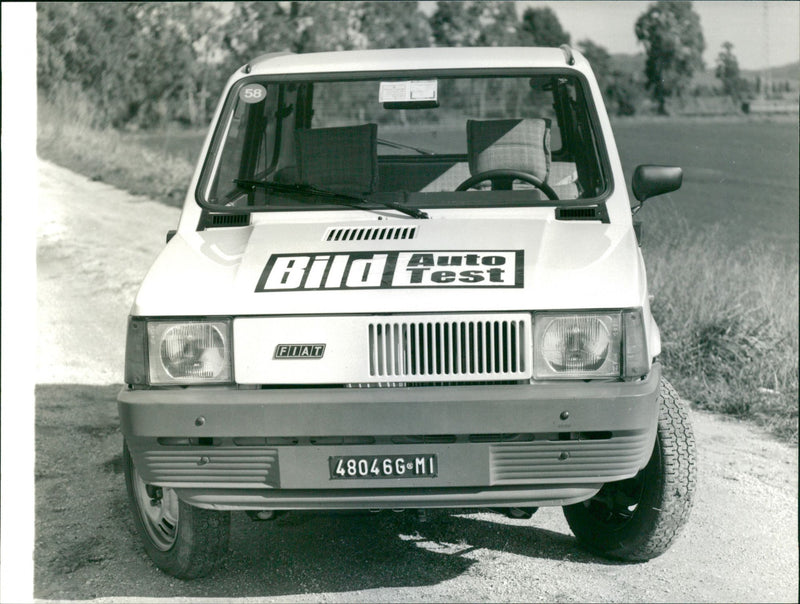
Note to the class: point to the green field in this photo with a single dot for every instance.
(740, 177)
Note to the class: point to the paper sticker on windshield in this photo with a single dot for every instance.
(253, 93)
(393, 269)
(403, 92)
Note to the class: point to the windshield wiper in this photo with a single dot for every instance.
(343, 199)
(395, 145)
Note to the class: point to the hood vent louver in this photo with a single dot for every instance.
(585, 213)
(210, 221)
(230, 219)
(370, 233)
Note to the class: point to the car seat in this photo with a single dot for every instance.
(344, 159)
(519, 145)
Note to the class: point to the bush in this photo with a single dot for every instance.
(625, 93)
(728, 319)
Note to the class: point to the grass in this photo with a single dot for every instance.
(67, 137)
(727, 305)
(728, 319)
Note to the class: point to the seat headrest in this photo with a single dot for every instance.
(344, 159)
(511, 144)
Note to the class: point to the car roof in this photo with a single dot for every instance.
(413, 59)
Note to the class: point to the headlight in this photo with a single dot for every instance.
(178, 352)
(589, 345)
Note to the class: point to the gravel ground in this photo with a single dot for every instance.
(95, 244)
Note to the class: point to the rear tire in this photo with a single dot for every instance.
(183, 541)
(639, 518)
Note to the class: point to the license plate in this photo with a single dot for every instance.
(421, 465)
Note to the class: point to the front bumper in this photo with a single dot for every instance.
(496, 445)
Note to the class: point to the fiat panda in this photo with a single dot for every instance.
(405, 279)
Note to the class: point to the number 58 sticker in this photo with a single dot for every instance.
(253, 93)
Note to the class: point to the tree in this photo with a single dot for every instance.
(621, 92)
(474, 23)
(64, 53)
(541, 27)
(256, 28)
(136, 64)
(141, 64)
(397, 24)
(321, 26)
(81, 47)
(727, 72)
(673, 39)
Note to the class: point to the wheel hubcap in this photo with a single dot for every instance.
(616, 502)
(159, 514)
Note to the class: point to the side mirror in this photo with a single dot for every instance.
(649, 181)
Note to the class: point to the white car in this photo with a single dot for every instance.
(405, 279)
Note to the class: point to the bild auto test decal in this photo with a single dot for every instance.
(381, 270)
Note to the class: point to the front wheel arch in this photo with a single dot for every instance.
(639, 518)
(191, 543)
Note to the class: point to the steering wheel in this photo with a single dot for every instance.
(508, 174)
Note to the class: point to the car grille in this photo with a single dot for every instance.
(491, 349)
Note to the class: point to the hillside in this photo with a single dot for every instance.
(634, 64)
(790, 72)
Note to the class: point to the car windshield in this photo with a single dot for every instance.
(424, 142)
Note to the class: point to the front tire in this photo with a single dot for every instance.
(638, 519)
(183, 541)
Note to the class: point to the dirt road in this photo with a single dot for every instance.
(95, 245)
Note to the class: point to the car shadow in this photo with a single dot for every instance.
(87, 547)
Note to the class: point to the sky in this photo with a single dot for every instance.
(742, 23)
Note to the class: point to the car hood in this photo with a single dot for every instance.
(404, 266)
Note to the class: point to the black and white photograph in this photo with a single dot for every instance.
(398, 301)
